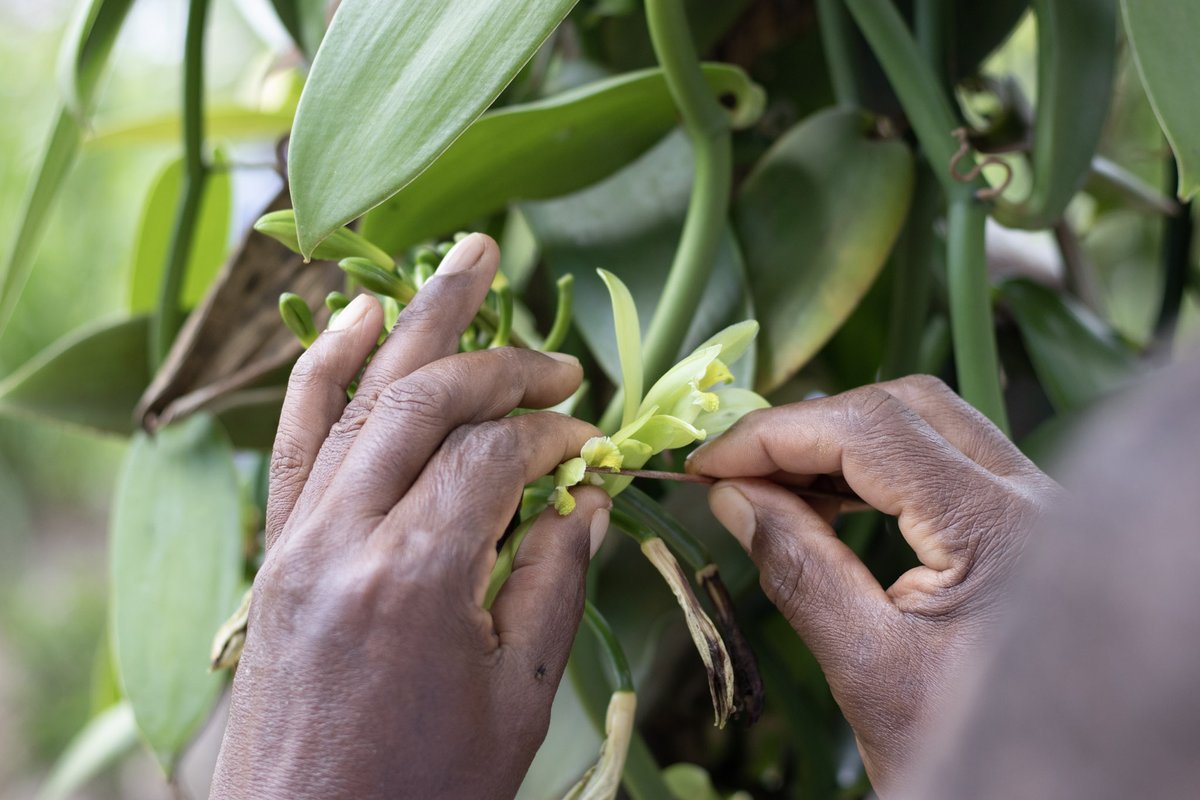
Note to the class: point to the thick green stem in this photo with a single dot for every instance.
(917, 85)
(837, 40)
(933, 120)
(1176, 262)
(707, 127)
(929, 24)
(971, 326)
(168, 316)
(618, 664)
(911, 274)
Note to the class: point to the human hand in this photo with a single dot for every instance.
(370, 667)
(965, 498)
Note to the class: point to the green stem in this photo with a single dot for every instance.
(911, 276)
(975, 358)
(168, 316)
(915, 83)
(932, 119)
(562, 314)
(642, 778)
(636, 505)
(837, 40)
(1176, 262)
(707, 127)
(618, 665)
(929, 24)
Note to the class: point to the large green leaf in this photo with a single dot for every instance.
(544, 149)
(816, 220)
(629, 224)
(1077, 358)
(92, 378)
(104, 740)
(1077, 54)
(394, 84)
(1163, 38)
(176, 566)
(209, 245)
(86, 52)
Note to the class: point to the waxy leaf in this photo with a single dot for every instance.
(99, 744)
(1163, 38)
(816, 219)
(394, 84)
(96, 28)
(1077, 358)
(544, 149)
(209, 245)
(176, 566)
(92, 378)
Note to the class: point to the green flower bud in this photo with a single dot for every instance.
(336, 301)
(377, 279)
(342, 243)
(298, 318)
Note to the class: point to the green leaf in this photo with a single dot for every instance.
(304, 20)
(209, 245)
(1163, 38)
(394, 84)
(89, 39)
(544, 149)
(1077, 358)
(101, 743)
(95, 27)
(92, 378)
(689, 782)
(176, 567)
(817, 218)
(630, 224)
(1077, 54)
(629, 343)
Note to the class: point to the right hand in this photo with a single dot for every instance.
(965, 498)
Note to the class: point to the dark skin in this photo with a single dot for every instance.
(371, 668)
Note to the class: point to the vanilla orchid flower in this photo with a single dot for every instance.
(690, 402)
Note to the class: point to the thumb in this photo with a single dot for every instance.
(822, 588)
(537, 612)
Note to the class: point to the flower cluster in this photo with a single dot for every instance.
(692, 401)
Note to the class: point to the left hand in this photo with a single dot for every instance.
(370, 667)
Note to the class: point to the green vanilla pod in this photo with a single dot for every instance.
(342, 243)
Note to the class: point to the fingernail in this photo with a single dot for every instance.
(689, 463)
(352, 314)
(565, 358)
(463, 255)
(599, 528)
(734, 511)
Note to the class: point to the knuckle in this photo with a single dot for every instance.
(423, 394)
(930, 385)
(871, 410)
(308, 373)
(351, 421)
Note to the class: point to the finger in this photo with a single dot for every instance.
(414, 414)
(887, 454)
(537, 612)
(427, 329)
(826, 593)
(960, 423)
(469, 490)
(315, 400)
